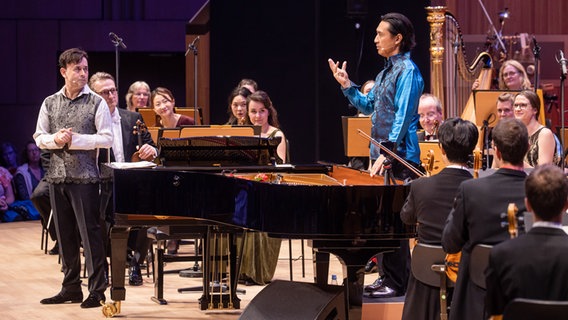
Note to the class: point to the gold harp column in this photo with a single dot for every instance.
(436, 18)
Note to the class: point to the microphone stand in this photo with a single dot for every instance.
(117, 43)
(193, 48)
(562, 109)
(536, 53)
(486, 142)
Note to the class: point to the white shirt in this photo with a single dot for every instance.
(117, 147)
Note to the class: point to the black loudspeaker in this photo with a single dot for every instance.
(297, 300)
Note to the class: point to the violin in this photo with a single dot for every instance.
(512, 220)
(429, 163)
(477, 163)
(137, 130)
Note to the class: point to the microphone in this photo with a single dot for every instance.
(562, 62)
(192, 46)
(116, 40)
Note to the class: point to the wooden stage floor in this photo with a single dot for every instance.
(29, 275)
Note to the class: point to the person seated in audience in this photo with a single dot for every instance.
(138, 96)
(124, 147)
(430, 112)
(533, 265)
(6, 192)
(262, 113)
(41, 200)
(163, 102)
(249, 84)
(428, 204)
(512, 76)
(9, 158)
(30, 173)
(237, 109)
(543, 148)
(476, 215)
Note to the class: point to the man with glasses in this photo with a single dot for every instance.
(124, 146)
(430, 112)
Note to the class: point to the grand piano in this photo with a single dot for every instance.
(344, 211)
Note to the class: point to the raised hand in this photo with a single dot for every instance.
(340, 73)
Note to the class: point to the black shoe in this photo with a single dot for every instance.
(384, 292)
(371, 265)
(64, 298)
(55, 250)
(375, 285)
(93, 300)
(134, 274)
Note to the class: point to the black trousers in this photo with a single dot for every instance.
(396, 266)
(76, 215)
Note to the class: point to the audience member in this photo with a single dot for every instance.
(430, 112)
(534, 265)
(476, 216)
(9, 157)
(543, 148)
(73, 123)
(6, 193)
(30, 173)
(138, 96)
(262, 113)
(163, 103)
(124, 146)
(41, 200)
(249, 84)
(237, 109)
(428, 204)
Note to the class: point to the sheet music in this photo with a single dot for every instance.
(133, 165)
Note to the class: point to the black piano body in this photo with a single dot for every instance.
(344, 211)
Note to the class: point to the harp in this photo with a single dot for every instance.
(452, 75)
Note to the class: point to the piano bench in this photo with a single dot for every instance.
(161, 235)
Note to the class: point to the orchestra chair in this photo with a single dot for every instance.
(190, 112)
(149, 117)
(45, 232)
(528, 309)
(478, 263)
(429, 267)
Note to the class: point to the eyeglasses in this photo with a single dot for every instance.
(521, 105)
(510, 74)
(108, 92)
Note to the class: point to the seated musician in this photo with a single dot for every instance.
(430, 112)
(262, 113)
(124, 146)
(163, 103)
(505, 103)
(429, 203)
(543, 143)
(260, 252)
(237, 109)
(512, 76)
(476, 216)
(534, 265)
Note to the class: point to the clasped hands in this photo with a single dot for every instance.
(63, 136)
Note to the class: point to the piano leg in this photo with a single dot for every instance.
(119, 239)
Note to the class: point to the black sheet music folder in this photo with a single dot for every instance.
(219, 151)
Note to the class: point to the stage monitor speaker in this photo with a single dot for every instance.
(297, 300)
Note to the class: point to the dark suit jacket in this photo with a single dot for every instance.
(476, 218)
(428, 204)
(532, 266)
(129, 139)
